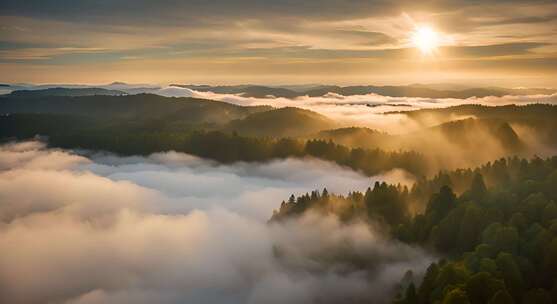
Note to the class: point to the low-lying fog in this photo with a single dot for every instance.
(173, 228)
(356, 110)
(362, 110)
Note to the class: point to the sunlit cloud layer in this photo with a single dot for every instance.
(278, 41)
(173, 228)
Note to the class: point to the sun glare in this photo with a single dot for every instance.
(425, 39)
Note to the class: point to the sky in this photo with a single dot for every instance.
(493, 42)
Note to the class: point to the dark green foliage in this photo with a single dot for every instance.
(149, 136)
(503, 235)
(346, 208)
(410, 296)
(501, 297)
(499, 233)
(478, 189)
(456, 296)
(482, 286)
(537, 296)
(365, 160)
(139, 107)
(428, 284)
(288, 122)
(385, 203)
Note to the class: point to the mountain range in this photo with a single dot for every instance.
(293, 91)
(422, 91)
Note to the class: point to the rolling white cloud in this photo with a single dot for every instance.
(173, 228)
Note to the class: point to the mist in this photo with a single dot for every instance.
(363, 110)
(443, 150)
(93, 227)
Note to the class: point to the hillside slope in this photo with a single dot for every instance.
(136, 107)
(356, 137)
(284, 122)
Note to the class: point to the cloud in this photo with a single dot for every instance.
(33, 155)
(496, 50)
(355, 42)
(167, 11)
(171, 91)
(173, 228)
(45, 53)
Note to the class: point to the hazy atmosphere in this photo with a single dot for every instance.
(307, 152)
(208, 222)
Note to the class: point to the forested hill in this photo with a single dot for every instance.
(144, 124)
(536, 121)
(449, 145)
(140, 107)
(285, 122)
(497, 234)
(158, 111)
(132, 138)
(65, 92)
(464, 133)
(509, 113)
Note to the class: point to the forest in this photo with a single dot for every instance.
(278, 151)
(495, 228)
(492, 225)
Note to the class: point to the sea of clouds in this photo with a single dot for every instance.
(91, 227)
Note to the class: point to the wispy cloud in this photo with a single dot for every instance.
(357, 40)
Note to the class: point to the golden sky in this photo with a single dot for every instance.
(493, 42)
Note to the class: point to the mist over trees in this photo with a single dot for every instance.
(497, 237)
(480, 193)
(143, 139)
(278, 152)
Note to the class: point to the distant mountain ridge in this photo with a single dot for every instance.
(420, 91)
(264, 121)
(82, 89)
(245, 90)
(506, 112)
(135, 107)
(287, 91)
(66, 92)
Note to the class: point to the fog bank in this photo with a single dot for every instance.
(173, 228)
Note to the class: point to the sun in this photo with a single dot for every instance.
(425, 39)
